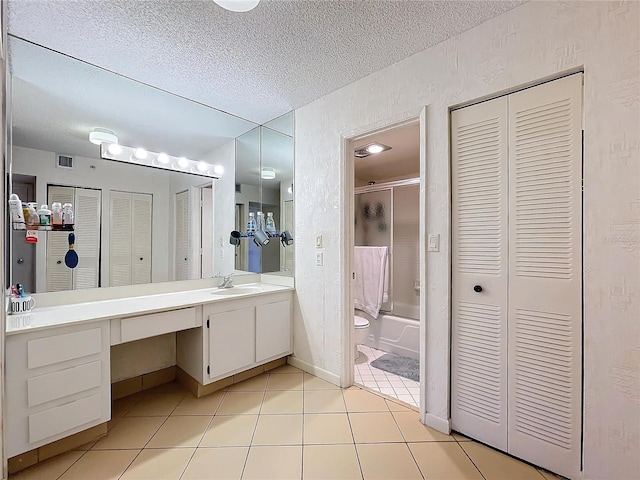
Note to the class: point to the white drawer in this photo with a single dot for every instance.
(135, 328)
(51, 386)
(60, 348)
(58, 420)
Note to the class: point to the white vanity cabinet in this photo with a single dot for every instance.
(237, 335)
(57, 384)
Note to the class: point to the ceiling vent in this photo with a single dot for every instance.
(64, 161)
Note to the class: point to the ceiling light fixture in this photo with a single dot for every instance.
(98, 136)
(268, 173)
(370, 149)
(134, 156)
(237, 5)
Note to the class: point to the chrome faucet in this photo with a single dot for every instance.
(227, 281)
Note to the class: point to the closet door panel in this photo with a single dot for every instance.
(181, 261)
(479, 255)
(88, 207)
(59, 276)
(120, 240)
(141, 238)
(545, 286)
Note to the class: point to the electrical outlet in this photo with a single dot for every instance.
(319, 259)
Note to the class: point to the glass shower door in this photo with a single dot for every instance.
(373, 226)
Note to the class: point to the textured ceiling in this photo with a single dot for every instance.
(257, 65)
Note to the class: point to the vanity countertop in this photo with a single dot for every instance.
(46, 317)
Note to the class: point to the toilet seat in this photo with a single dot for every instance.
(360, 322)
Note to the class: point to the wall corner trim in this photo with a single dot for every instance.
(313, 370)
(441, 424)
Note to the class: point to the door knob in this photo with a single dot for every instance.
(141, 258)
(477, 289)
(20, 261)
(59, 262)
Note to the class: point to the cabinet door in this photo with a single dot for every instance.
(273, 330)
(231, 341)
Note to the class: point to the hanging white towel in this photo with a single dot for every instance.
(370, 266)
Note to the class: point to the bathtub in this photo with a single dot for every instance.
(395, 334)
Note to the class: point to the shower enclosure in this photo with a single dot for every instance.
(387, 214)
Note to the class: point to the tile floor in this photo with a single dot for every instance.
(284, 424)
(384, 382)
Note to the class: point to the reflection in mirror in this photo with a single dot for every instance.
(264, 191)
(133, 224)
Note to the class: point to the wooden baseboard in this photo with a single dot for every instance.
(127, 387)
(198, 390)
(72, 442)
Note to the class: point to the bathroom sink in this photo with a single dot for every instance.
(236, 290)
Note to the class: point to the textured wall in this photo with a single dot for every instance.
(532, 42)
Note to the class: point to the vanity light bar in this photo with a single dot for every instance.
(139, 156)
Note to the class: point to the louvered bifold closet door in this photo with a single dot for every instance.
(545, 285)
(120, 239)
(142, 205)
(181, 236)
(479, 256)
(88, 213)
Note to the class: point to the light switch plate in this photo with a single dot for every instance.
(319, 259)
(318, 241)
(433, 242)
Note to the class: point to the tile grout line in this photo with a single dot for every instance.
(264, 393)
(353, 437)
(203, 433)
(470, 459)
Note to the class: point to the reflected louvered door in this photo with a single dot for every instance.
(182, 236)
(479, 256)
(141, 209)
(120, 239)
(87, 218)
(545, 274)
(59, 276)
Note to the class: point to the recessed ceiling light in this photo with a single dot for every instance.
(370, 149)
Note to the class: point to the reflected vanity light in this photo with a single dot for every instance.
(140, 156)
(268, 173)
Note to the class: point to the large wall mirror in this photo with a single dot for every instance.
(133, 224)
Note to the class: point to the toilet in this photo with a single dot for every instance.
(361, 332)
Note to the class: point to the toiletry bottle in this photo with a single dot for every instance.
(67, 216)
(33, 219)
(56, 216)
(270, 226)
(260, 221)
(251, 224)
(45, 218)
(17, 215)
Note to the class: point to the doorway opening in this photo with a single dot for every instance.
(385, 247)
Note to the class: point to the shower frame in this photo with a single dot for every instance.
(378, 188)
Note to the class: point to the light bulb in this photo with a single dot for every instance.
(183, 162)
(290, 189)
(375, 148)
(218, 169)
(140, 153)
(114, 149)
(202, 166)
(163, 158)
